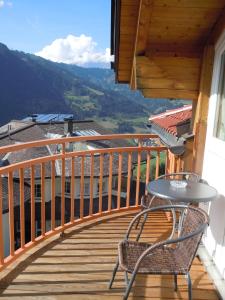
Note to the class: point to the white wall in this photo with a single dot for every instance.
(214, 173)
(76, 187)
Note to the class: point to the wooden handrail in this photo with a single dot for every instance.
(41, 143)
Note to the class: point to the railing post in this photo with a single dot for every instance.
(43, 223)
(110, 182)
(72, 190)
(1, 226)
(148, 168)
(32, 184)
(128, 178)
(100, 182)
(119, 181)
(82, 188)
(138, 175)
(22, 217)
(91, 185)
(63, 185)
(53, 195)
(11, 214)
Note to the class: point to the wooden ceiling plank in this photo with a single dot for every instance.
(191, 3)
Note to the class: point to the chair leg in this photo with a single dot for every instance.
(189, 286)
(127, 292)
(114, 274)
(126, 278)
(175, 282)
(138, 221)
(142, 226)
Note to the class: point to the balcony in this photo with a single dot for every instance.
(62, 243)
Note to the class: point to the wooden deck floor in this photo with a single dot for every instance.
(79, 266)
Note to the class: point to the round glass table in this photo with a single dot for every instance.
(181, 192)
(192, 192)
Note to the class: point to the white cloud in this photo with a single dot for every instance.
(3, 3)
(80, 50)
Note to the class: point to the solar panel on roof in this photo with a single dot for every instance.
(89, 132)
(39, 118)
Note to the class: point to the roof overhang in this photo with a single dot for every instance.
(159, 44)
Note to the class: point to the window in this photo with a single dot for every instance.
(86, 188)
(219, 130)
(67, 187)
(37, 190)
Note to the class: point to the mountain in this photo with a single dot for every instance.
(30, 84)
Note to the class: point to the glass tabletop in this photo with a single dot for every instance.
(191, 192)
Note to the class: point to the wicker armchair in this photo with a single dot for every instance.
(159, 258)
(148, 201)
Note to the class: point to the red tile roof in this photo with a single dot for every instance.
(171, 118)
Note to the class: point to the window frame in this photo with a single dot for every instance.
(214, 144)
(67, 184)
(37, 190)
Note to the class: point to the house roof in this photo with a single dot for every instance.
(171, 119)
(37, 131)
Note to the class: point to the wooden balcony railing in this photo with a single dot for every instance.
(122, 171)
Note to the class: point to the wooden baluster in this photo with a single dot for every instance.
(11, 214)
(119, 181)
(138, 179)
(1, 226)
(157, 165)
(32, 197)
(63, 187)
(148, 168)
(91, 185)
(110, 182)
(82, 189)
(43, 225)
(53, 195)
(100, 182)
(22, 215)
(129, 178)
(72, 190)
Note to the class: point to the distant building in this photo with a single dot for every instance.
(40, 127)
(172, 126)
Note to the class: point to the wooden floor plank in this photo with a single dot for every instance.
(79, 266)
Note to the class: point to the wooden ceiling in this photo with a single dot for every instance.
(161, 42)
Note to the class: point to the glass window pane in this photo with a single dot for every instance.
(220, 121)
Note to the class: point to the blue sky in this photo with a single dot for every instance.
(81, 25)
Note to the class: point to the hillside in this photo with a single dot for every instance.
(30, 84)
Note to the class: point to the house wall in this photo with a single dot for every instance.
(76, 187)
(5, 222)
(213, 172)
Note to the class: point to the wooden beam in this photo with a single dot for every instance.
(168, 77)
(141, 35)
(170, 93)
(200, 124)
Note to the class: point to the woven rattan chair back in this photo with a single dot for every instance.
(195, 218)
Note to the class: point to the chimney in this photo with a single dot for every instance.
(68, 126)
(33, 117)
